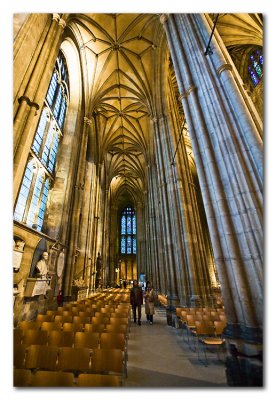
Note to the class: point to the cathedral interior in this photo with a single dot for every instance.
(137, 155)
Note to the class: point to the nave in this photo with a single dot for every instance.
(94, 342)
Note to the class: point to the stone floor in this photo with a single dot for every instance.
(159, 356)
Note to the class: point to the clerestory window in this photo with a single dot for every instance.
(39, 173)
(255, 67)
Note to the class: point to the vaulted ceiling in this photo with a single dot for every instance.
(118, 55)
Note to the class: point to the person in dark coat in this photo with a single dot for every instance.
(136, 300)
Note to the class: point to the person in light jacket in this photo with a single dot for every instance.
(149, 302)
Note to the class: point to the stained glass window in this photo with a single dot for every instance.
(39, 173)
(128, 231)
(255, 67)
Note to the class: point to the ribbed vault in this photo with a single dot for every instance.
(117, 53)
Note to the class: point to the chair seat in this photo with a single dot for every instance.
(213, 341)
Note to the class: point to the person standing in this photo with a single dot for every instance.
(149, 302)
(136, 300)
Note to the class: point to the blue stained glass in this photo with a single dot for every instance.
(134, 225)
(43, 205)
(253, 77)
(52, 89)
(34, 201)
(129, 230)
(128, 226)
(40, 132)
(123, 245)
(24, 192)
(255, 67)
(58, 102)
(129, 242)
(62, 113)
(123, 225)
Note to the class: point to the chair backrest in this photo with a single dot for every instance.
(41, 357)
(112, 341)
(94, 327)
(74, 359)
(191, 319)
(29, 325)
(203, 329)
(22, 377)
(100, 320)
(44, 318)
(34, 336)
(19, 355)
(107, 360)
(50, 326)
(98, 380)
(61, 339)
(52, 379)
(119, 321)
(89, 340)
(63, 318)
(219, 327)
(115, 328)
(72, 326)
(17, 336)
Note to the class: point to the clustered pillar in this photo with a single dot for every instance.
(228, 154)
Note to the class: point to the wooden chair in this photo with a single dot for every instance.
(61, 339)
(52, 313)
(81, 320)
(89, 340)
(98, 380)
(34, 336)
(119, 321)
(21, 377)
(76, 360)
(44, 318)
(52, 379)
(19, 355)
(41, 357)
(72, 326)
(29, 325)
(17, 336)
(94, 328)
(51, 326)
(104, 361)
(63, 318)
(100, 320)
(113, 341)
(115, 328)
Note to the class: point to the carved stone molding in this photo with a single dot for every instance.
(224, 67)
(87, 121)
(56, 17)
(62, 23)
(28, 101)
(187, 93)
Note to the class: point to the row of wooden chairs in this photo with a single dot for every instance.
(68, 359)
(25, 378)
(112, 339)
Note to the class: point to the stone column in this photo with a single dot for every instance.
(26, 117)
(228, 156)
(76, 223)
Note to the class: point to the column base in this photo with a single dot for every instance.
(244, 360)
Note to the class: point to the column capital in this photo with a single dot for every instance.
(62, 23)
(87, 121)
(164, 18)
(56, 17)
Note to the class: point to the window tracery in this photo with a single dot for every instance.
(128, 231)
